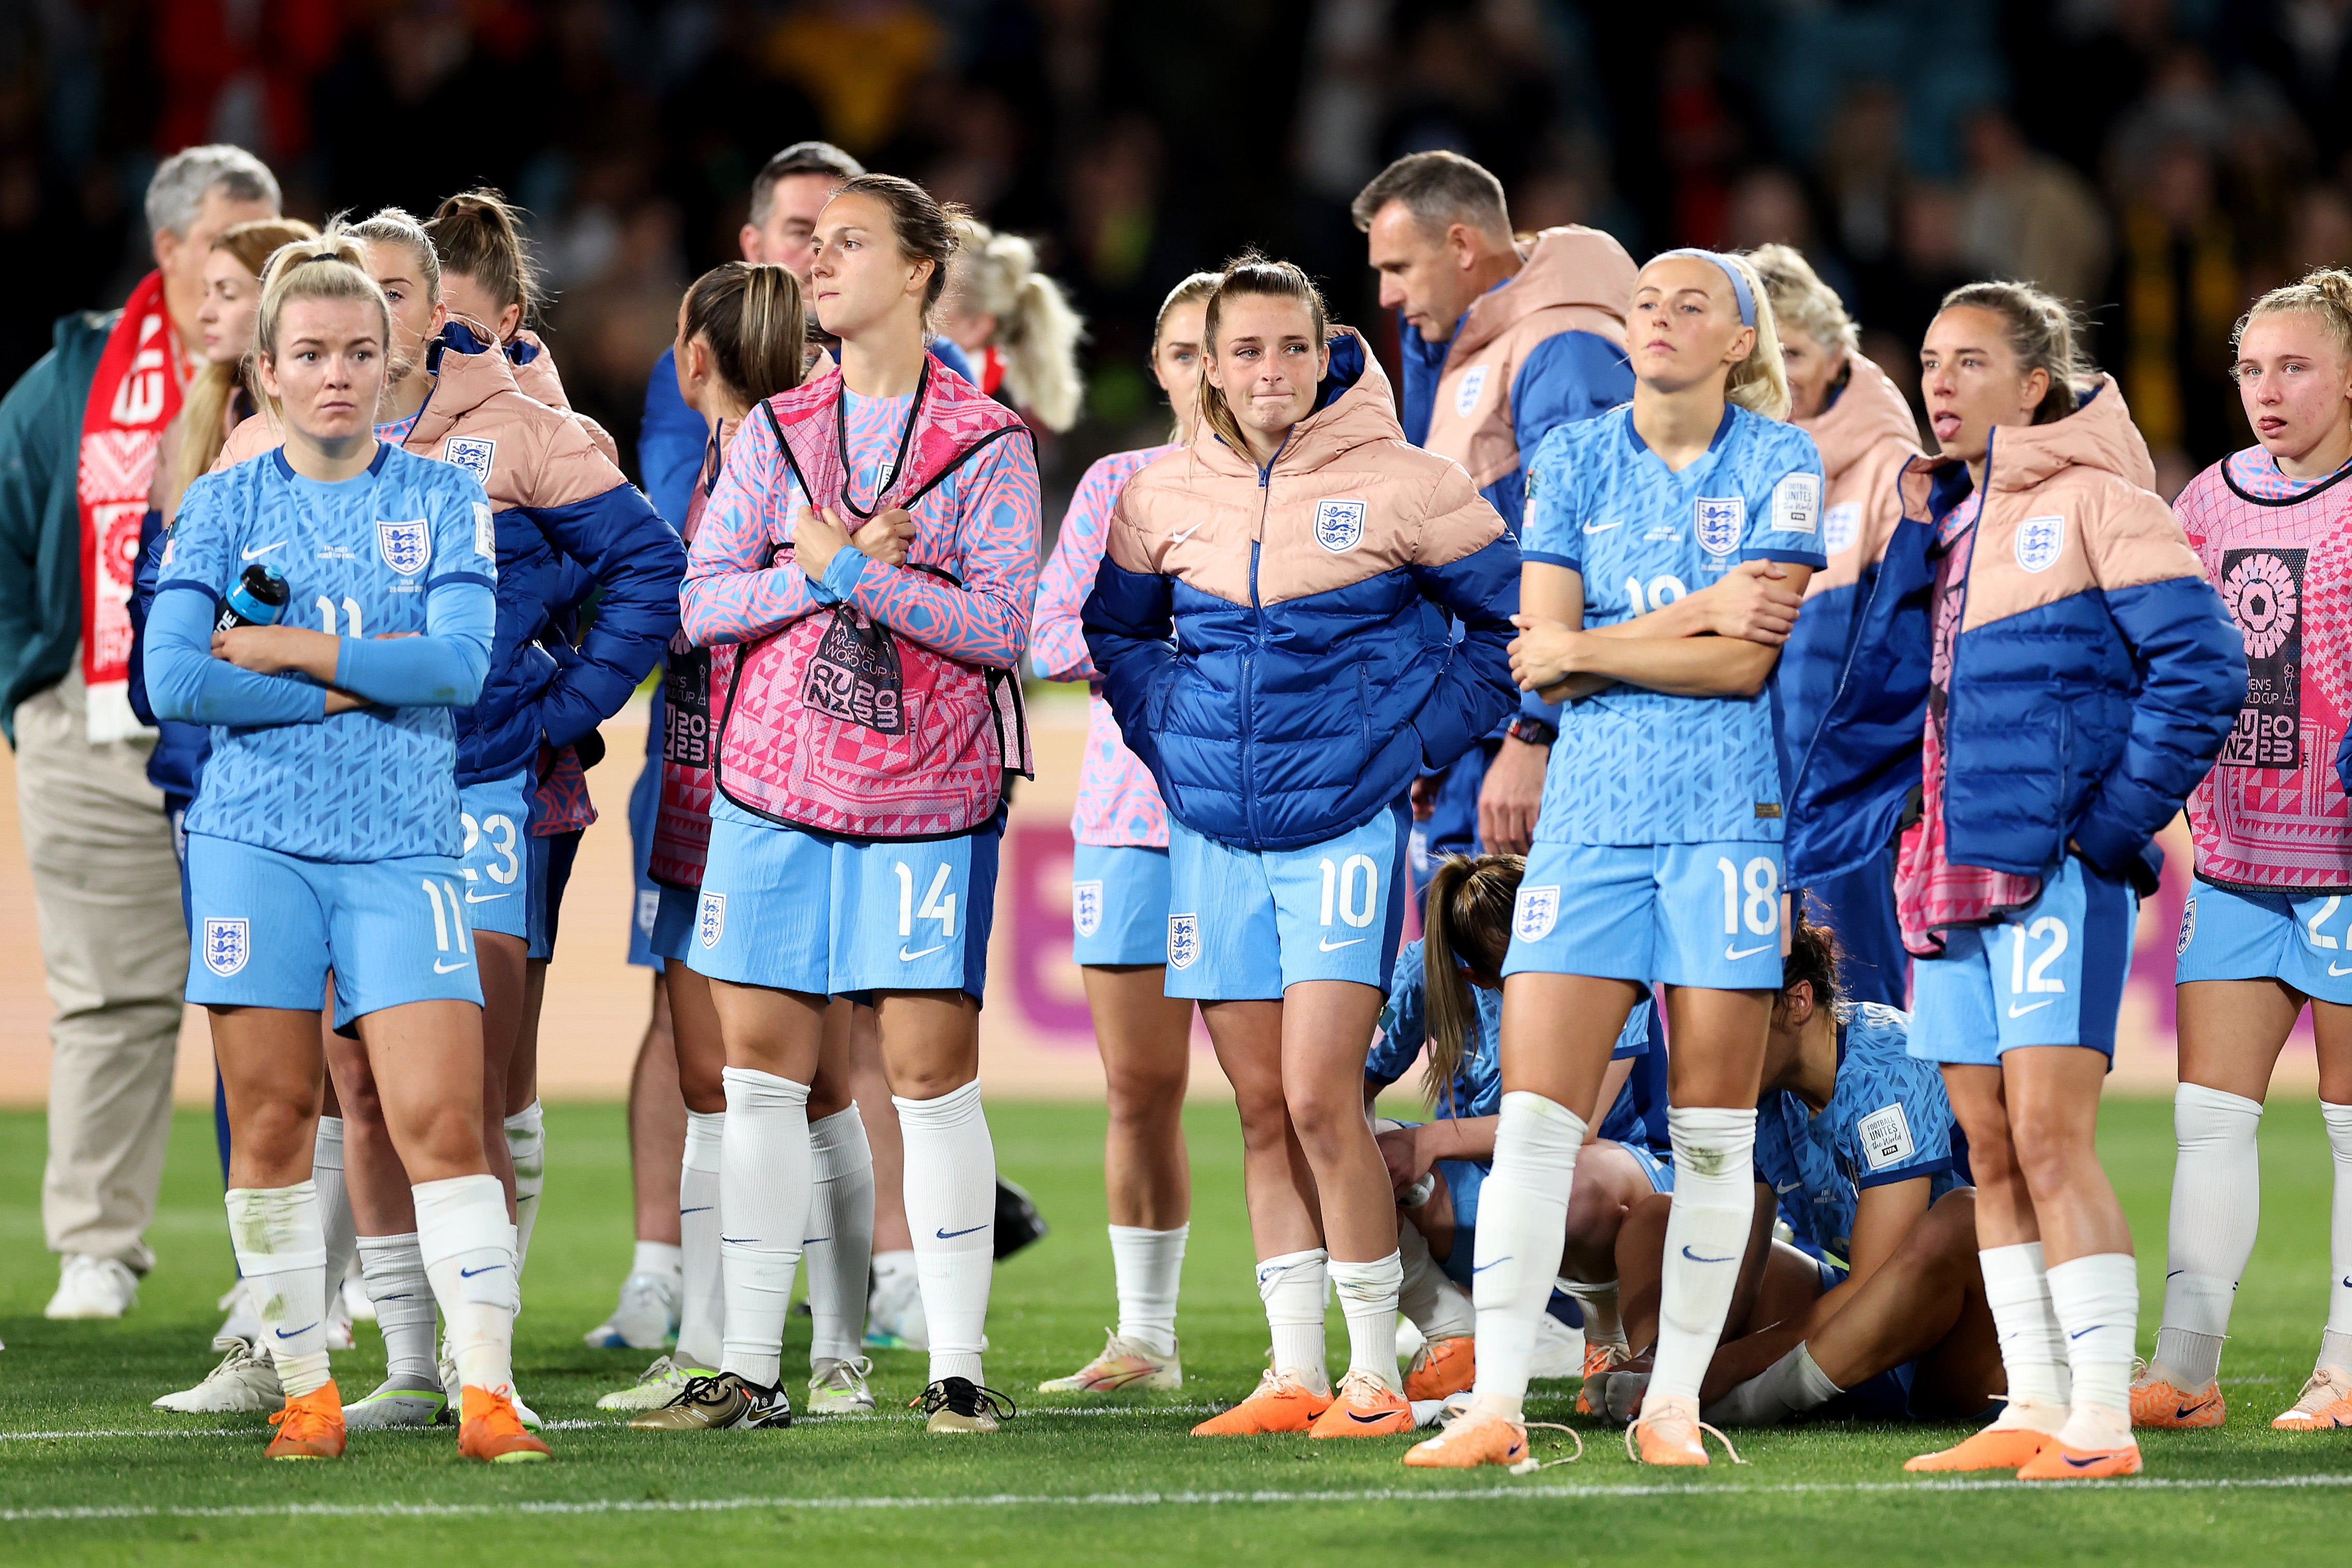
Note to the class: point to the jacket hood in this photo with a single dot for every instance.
(1354, 407)
(2099, 433)
(1870, 410)
(534, 370)
(467, 370)
(1569, 266)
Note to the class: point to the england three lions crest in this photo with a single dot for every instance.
(1183, 940)
(1338, 524)
(473, 454)
(1086, 907)
(227, 945)
(711, 924)
(1534, 913)
(406, 546)
(1718, 523)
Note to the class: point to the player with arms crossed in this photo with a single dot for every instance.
(325, 836)
(1658, 849)
(2263, 933)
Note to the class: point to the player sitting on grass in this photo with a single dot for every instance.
(1854, 1143)
(1446, 994)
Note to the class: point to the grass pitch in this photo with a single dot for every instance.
(88, 1474)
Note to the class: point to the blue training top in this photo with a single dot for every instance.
(407, 547)
(1887, 1121)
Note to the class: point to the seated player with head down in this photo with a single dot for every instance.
(1854, 1146)
(1446, 995)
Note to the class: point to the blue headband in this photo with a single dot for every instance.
(1739, 290)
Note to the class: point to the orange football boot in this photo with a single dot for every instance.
(1444, 1368)
(2060, 1463)
(1601, 1357)
(492, 1432)
(2156, 1403)
(1280, 1403)
(1364, 1408)
(1997, 1447)
(310, 1426)
(1470, 1440)
(2325, 1404)
(1669, 1432)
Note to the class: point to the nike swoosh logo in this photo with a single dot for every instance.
(1785, 1191)
(1482, 1267)
(813, 1240)
(2078, 1333)
(1327, 946)
(1180, 536)
(2178, 1272)
(907, 957)
(1696, 1258)
(1737, 953)
(2333, 968)
(473, 898)
(951, 1235)
(2186, 1411)
(706, 1208)
(441, 968)
(1369, 1420)
(2082, 1464)
(265, 550)
(289, 1334)
(484, 1269)
(1602, 528)
(2017, 1012)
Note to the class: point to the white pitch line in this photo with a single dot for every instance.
(616, 1424)
(1538, 1492)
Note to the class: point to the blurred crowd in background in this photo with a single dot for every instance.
(2161, 161)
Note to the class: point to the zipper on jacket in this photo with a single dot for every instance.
(1257, 632)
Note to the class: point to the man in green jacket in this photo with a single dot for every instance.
(77, 439)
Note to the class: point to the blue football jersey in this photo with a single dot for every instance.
(1887, 1121)
(360, 557)
(1635, 766)
(1478, 1081)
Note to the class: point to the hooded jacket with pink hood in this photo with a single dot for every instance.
(1274, 642)
(2094, 674)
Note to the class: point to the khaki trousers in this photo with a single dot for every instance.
(115, 949)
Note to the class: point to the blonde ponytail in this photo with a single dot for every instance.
(1467, 923)
(1036, 329)
(331, 266)
(1759, 383)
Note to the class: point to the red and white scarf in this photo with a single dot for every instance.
(135, 393)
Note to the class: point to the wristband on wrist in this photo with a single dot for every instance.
(1530, 731)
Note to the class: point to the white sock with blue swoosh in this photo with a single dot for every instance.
(764, 1204)
(1707, 1236)
(951, 1209)
(283, 1256)
(840, 1238)
(393, 1271)
(2217, 1202)
(2096, 1299)
(702, 1310)
(1522, 1229)
(468, 1246)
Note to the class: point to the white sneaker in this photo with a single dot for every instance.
(647, 1317)
(894, 1314)
(839, 1387)
(662, 1382)
(523, 1412)
(1559, 1349)
(356, 1305)
(94, 1287)
(396, 1404)
(244, 1381)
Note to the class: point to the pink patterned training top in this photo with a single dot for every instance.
(1118, 802)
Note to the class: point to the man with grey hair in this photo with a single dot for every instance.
(78, 440)
(1501, 341)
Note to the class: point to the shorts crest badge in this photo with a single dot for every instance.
(711, 922)
(473, 454)
(1183, 940)
(1535, 912)
(1718, 521)
(1465, 396)
(2188, 928)
(2039, 543)
(227, 945)
(1086, 907)
(406, 546)
(648, 910)
(1338, 524)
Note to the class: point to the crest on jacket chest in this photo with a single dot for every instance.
(1338, 524)
(473, 454)
(1465, 396)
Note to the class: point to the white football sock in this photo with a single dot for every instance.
(763, 1181)
(1789, 1386)
(702, 1310)
(335, 1221)
(1368, 1300)
(468, 1246)
(1522, 1231)
(1707, 1238)
(2097, 1302)
(1148, 1264)
(1604, 1323)
(2335, 1350)
(1435, 1303)
(658, 1258)
(841, 1235)
(951, 1209)
(283, 1258)
(1294, 1287)
(2033, 1349)
(2340, 1224)
(527, 1146)
(2217, 1202)
(393, 1271)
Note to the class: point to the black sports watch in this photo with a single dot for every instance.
(1532, 731)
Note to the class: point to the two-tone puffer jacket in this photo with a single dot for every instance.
(1274, 641)
(2093, 677)
(1867, 437)
(554, 497)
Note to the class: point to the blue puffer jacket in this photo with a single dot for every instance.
(1274, 642)
(178, 761)
(2093, 678)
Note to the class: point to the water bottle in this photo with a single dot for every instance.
(257, 600)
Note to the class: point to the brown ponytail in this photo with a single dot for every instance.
(1467, 923)
(2044, 335)
(751, 319)
(1814, 956)
(1251, 272)
(477, 235)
